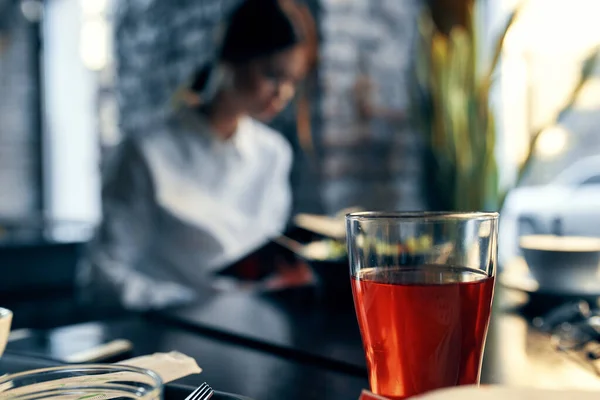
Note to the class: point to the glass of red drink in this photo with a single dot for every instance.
(423, 285)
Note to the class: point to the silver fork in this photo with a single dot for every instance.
(202, 392)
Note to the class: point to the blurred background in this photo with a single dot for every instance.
(79, 76)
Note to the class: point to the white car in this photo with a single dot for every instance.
(569, 205)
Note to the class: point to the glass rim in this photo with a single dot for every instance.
(422, 216)
(82, 368)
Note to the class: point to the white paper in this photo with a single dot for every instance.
(169, 366)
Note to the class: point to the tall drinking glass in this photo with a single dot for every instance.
(423, 286)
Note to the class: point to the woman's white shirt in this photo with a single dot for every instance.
(180, 203)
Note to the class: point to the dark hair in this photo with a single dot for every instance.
(259, 28)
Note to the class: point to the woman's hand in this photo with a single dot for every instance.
(289, 275)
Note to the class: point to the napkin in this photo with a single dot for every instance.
(169, 366)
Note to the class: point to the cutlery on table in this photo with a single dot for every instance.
(202, 392)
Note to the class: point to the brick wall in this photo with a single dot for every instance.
(158, 44)
(373, 161)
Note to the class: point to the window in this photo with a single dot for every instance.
(71, 135)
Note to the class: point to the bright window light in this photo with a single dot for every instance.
(552, 142)
(94, 44)
(93, 7)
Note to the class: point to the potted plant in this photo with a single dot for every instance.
(450, 88)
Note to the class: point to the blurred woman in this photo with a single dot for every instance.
(212, 184)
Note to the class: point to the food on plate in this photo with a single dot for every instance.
(324, 250)
(330, 249)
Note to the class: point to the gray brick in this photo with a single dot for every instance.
(381, 162)
(339, 52)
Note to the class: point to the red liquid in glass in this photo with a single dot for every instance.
(423, 328)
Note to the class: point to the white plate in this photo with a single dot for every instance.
(516, 276)
(502, 393)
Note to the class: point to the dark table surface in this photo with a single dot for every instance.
(226, 366)
(294, 347)
(14, 363)
(291, 324)
(265, 348)
(516, 353)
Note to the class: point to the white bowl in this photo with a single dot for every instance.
(561, 261)
(5, 322)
